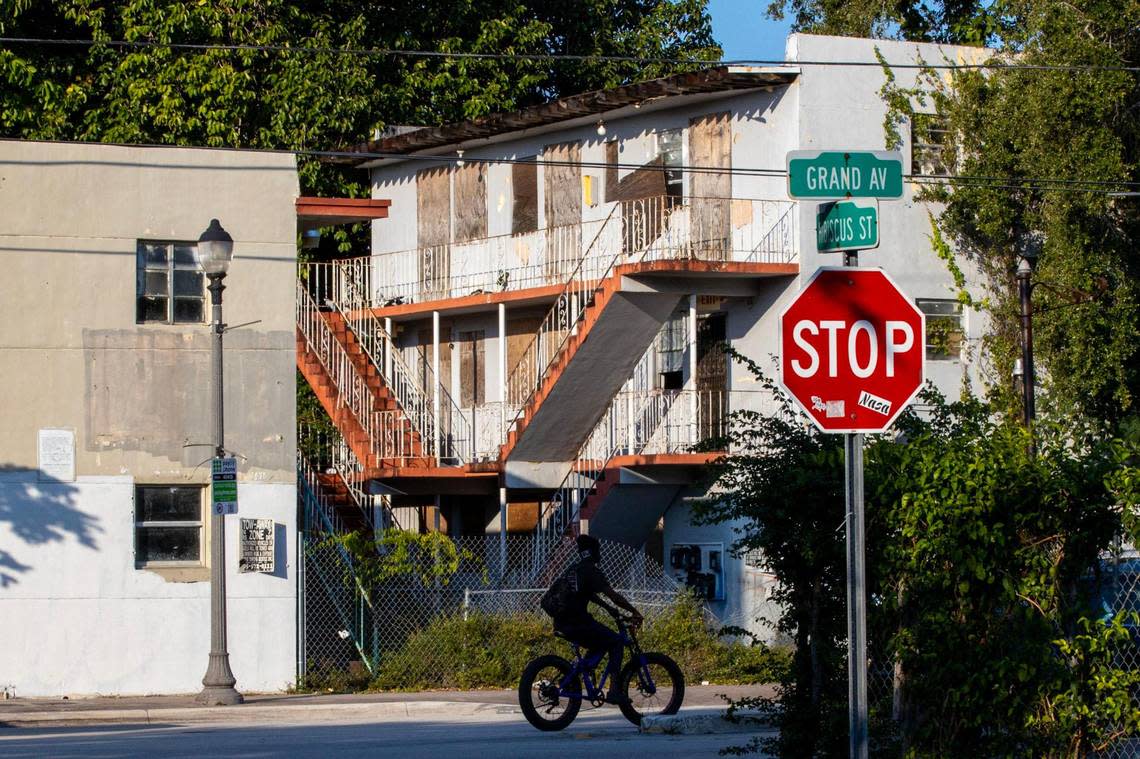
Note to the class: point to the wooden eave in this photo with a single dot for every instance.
(315, 212)
(717, 79)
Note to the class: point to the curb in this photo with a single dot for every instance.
(394, 710)
(704, 723)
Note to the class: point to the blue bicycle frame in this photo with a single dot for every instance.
(584, 666)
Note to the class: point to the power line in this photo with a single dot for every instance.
(580, 58)
(1053, 184)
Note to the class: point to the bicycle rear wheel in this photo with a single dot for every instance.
(654, 685)
(542, 697)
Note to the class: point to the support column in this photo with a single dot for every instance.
(503, 370)
(502, 534)
(435, 432)
(391, 347)
(693, 399)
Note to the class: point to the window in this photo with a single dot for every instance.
(169, 286)
(944, 330)
(670, 150)
(471, 368)
(671, 351)
(928, 145)
(168, 524)
(524, 189)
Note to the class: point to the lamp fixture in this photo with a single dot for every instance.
(459, 161)
(215, 249)
(601, 128)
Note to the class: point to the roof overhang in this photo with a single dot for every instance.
(314, 213)
(629, 98)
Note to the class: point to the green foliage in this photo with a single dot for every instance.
(481, 651)
(960, 21)
(430, 557)
(1035, 153)
(684, 633)
(308, 96)
(977, 552)
(1092, 705)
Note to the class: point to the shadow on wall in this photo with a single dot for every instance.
(39, 511)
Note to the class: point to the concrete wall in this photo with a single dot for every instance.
(79, 616)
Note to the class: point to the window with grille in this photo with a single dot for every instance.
(944, 328)
(168, 525)
(169, 286)
(929, 143)
(670, 147)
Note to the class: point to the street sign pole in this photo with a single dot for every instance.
(856, 584)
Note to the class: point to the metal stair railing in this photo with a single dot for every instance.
(309, 492)
(344, 287)
(448, 439)
(334, 455)
(780, 243)
(388, 432)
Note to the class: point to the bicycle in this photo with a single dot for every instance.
(550, 690)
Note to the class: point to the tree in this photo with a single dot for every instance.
(309, 96)
(1035, 154)
(960, 21)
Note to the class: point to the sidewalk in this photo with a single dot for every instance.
(23, 712)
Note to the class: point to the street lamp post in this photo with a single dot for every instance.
(214, 252)
(1025, 292)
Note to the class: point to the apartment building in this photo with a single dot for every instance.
(535, 344)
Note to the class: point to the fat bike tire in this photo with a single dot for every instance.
(539, 699)
(642, 699)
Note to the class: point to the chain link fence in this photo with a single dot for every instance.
(1119, 588)
(352, 619)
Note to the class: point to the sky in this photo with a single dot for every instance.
(745, 33)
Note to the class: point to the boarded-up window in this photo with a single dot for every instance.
(433, 233)
(472, 368)
(647, 181)
(563, 208)
(710, 147)
(470, 202)
(425, 346)
(520, 336)
(524, 188)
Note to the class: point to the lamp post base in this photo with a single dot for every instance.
(219, 683)
(219, 695)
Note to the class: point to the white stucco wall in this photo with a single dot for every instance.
(80, 619)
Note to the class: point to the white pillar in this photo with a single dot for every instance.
(503, 372)
(693, 399)
(502, 532)
(391, 347)
(438, 381)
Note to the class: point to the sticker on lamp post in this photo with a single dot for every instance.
(224, 486)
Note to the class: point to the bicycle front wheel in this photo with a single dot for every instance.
(653, 685)
(545, 703)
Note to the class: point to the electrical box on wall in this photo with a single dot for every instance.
(700, 566)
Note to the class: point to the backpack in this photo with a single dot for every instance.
(560, 598)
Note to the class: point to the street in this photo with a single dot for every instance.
(502, 732)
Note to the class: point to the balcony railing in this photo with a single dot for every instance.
(747, 230)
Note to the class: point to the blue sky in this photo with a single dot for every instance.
(744, 32)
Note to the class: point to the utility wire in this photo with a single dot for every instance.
(1005, 183)
(398, 53)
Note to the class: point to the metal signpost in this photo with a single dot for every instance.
(852, 351)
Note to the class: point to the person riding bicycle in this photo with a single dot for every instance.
(567, 602)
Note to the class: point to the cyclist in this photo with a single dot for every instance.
(567, 602)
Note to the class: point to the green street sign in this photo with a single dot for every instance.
(847, 225)
(837, 174)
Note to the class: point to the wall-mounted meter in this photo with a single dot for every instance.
(700, 566)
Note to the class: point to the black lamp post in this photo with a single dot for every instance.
(215, 251)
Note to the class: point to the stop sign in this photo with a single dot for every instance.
(852, 349)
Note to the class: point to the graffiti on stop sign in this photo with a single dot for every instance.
(852, 349)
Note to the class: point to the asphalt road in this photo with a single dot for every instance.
(501, 734)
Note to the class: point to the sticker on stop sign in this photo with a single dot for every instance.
(852, 349)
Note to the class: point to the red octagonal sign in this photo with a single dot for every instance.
(852, 349)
